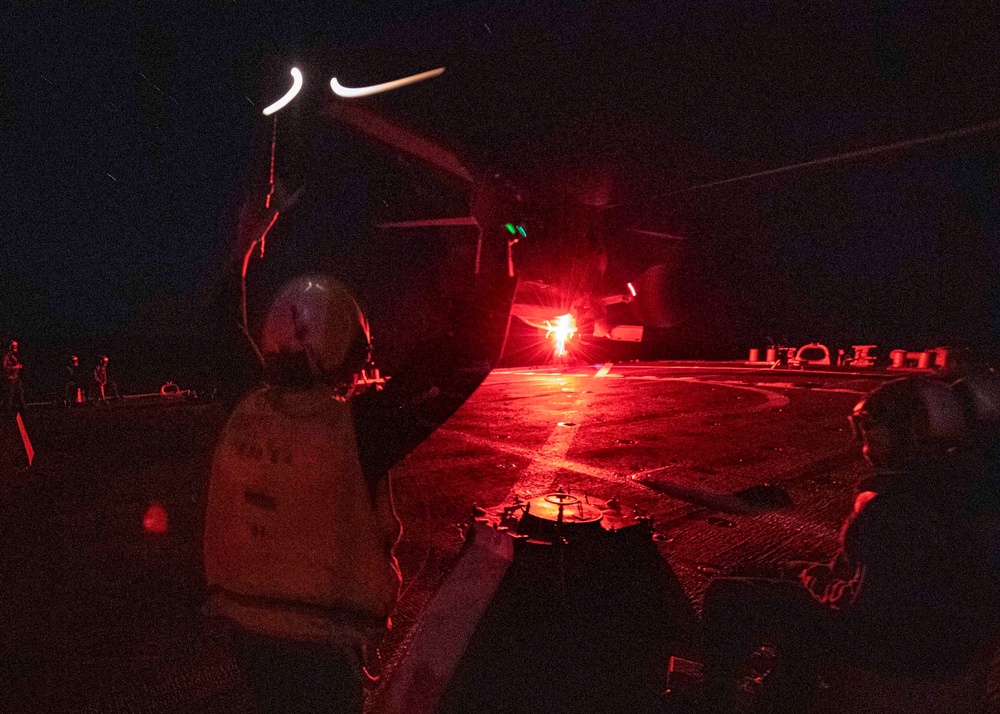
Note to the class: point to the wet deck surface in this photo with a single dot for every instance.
(100, 617)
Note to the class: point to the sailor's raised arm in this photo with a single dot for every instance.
(443, 369)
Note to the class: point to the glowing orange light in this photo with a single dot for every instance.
(631, 289)
(561, 331)
(155, 520)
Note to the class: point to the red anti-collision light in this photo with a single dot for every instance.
(155, 520)
(560, 332)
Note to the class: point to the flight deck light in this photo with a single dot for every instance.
(631, 289)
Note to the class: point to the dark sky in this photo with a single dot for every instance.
(127, 130)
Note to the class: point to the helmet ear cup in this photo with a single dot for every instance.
(980, 395)
(945, 417)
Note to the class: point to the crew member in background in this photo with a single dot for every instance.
(100, 386)
(74, 388)
(908, 595)
(300, 526)
(12, 366)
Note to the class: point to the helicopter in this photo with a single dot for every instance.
(587, 276)
(571, 289)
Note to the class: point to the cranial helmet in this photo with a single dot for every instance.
(980, 394)
(908, 420)
(314, 332)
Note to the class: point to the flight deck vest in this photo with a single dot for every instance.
(297, 544)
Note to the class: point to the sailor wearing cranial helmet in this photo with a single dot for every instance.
(300, 525)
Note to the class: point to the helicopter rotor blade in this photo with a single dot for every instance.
(656, 234)
(433, 222)
(400, 138)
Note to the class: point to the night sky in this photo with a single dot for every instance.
(130, 133)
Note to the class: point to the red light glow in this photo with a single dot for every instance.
(155, 520)
(560, 332)
(29, 450)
